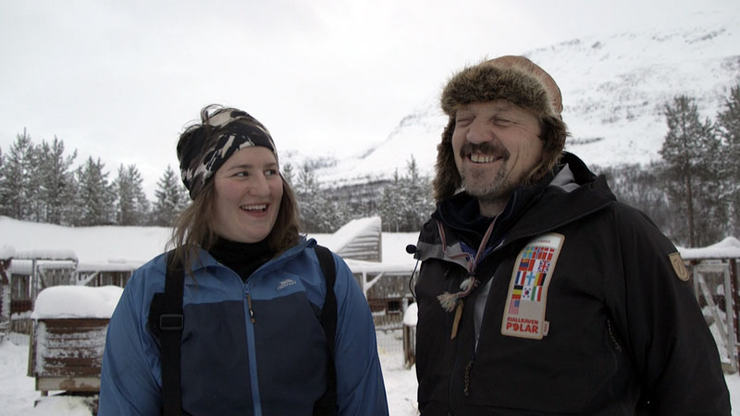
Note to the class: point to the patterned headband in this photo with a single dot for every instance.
(203, 149)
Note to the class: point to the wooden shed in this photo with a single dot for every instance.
(67, 353)
(31, 272)
(714, 273)
(68, 337)
(380, 264)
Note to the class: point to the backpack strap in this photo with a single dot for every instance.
(327, 404)
(166, 322)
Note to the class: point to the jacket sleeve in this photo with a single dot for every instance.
(360, 388)
(673, 349)
(129, 377)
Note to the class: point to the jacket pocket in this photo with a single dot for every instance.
(572, 374)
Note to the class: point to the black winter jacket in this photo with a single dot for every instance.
(583, 309)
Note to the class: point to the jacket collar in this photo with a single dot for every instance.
(570, 192)
(205, 259)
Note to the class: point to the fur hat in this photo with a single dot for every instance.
(512, 78)
(204, 147)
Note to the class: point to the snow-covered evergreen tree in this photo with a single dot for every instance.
(310, 199)
(641, 187)
(2, 180)
(392, 198)
(15, 181)
(94, 199)
(690, 150)
(36, 206)
(171, 199)
(406, 202)
(320, 211)
(728, 121)
(132, 206)
(288, 173)
(57, 190)
(420, 201)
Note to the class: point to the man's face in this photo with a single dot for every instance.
(496, 144)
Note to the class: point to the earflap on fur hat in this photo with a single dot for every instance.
(448, 179)
(512, 78)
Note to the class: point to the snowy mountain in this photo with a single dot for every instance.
(614, 91)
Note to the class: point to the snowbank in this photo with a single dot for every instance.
(76, 302)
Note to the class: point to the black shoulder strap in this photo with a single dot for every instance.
(166, 322)
(327, 404)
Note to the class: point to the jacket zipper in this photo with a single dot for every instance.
(249, 305)
(253, 379)
(472, 264)
(615, 340)
(467, 377)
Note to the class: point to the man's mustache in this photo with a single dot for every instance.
(486, 148)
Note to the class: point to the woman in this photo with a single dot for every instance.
(252, 341)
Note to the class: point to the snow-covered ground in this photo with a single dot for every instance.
(17, 394)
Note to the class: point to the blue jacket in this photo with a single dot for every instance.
(273, 363)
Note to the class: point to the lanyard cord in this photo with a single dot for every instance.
(471, 263)
(482, 247)
(450, 300)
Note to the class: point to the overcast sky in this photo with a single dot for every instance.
(120, 79)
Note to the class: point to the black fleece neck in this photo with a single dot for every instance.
(243, 258)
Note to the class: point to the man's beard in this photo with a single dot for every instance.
(494, 189)
(499, 187)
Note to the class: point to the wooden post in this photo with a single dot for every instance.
(735, 305)
(4, 295)
(34, 283)
(695, 281)
(364, 284)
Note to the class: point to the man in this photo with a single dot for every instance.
(539, 293)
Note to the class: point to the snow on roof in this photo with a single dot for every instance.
(101, 244)
(76, 302)
(6, 252)
(25, 266)
(372, 267)
(393, 245)
(46, 254)
(110, 266)
(727, 248)
(394, 248)
(350, 231)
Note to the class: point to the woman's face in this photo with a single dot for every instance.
(248, 190)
